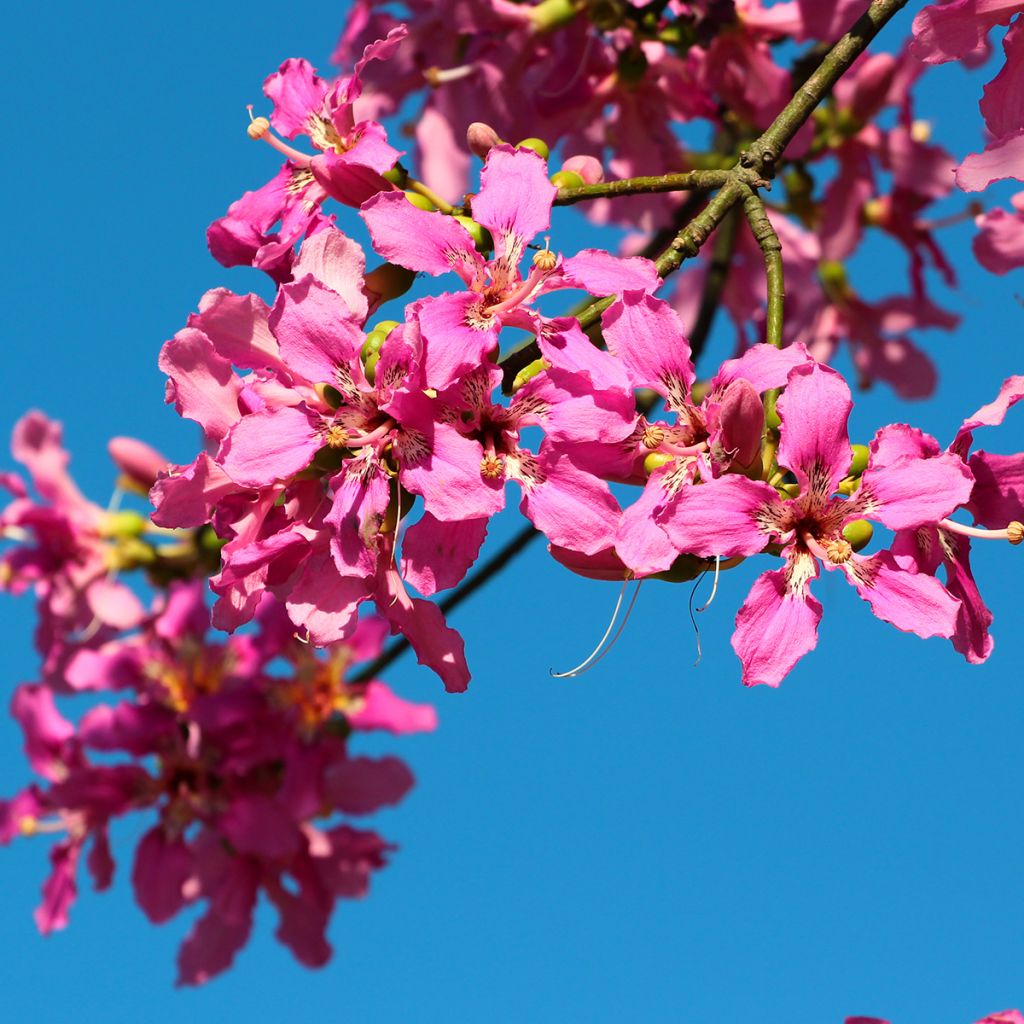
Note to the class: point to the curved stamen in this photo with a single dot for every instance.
(441, 76)
(1014, 531)
(523, 292)
(259, 128)
(597, 654)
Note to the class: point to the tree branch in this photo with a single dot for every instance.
(686, 181)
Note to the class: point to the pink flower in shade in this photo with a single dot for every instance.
(733, 516)
(1003, 1017)
(996, 502)
(353, 156)
(246, 765)
(66, 548)
(999, 243)
(460, 330)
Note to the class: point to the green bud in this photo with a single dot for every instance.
(632, 65)
(208, 541)
(329, 394)
(396, 175)
(684, 569)
(372, 344)
(655, 461)
(539, 146)
(528, 372)
(551, 14)
(858, 533)
(772, 420)
(132, 553)
(420, 202)
(832, 274)
(389, 280)
(480, 235)
(328, 460)
(792, 490)
(849, 485)
(567, 179)
(387, 326)
(123, 524)
(370, 367)
(861, 454)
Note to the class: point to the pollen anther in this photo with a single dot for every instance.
(492, 466)
(1015, 532)
(839, 550)
(653, 437)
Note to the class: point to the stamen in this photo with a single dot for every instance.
(436, 76)
(714, 587)
(597, 654)
(1014, 532)
(839, 550)
(492, 466)
(523, 292)
(259, 128)
(652, 437)
(545, 259)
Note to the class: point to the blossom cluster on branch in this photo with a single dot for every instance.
(355, 444)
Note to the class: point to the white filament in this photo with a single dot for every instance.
(601, 650)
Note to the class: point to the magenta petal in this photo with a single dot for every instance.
(998, 496)
(297, 92)
(338, 262)
(992, 414)
(601, 273)
(302, 925)
(458, 339)
(740, 424)
(100, 861)
(973, 620)
(161, 869)
(325, 603)
(47, 732)
(436, 555)
(764, 366)
(572, 508)
(211, 946)
(419, 240)
(915, 492)
(999, 243)
(362, 785)
(1001, 159)
(814, 442)
(202, 385)
(186, 498)
(60, 888)
(237, 328)
(719, 517)
(774, 629)
(514, 200)
(270, 446)
(382, 709)
(898, 441)
(261, 826)
(645, 333)
(640, 542)
(910, 601)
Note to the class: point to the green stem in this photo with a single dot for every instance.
(770, 246)
(687, 181)
(417, 186)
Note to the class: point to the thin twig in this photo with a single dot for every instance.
(685, 181)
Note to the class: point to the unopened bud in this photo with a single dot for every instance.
(328, 394)
(139, 464)
(386, 326)
(123, 524)
(370, 367)
(372, 344)
(552, 14)
(388, 281)
(1015, 532)
(567, 179)
(861, 455)
(481, 139)
(480, 235)
(538, 146)
(587, 167)
(420, 202)
(790, 490)
(859, 533)
(655, 461)
(397, 175)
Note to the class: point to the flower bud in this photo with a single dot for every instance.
(539, 146)
(684, 569)
(388, 281)
(655, 461)
(372, 343)
(328, 394)
(587, 167)
(480, 235)
(126, 523)
(139, 464)
(420, 202)
(397, 175)
(370, 367)
(481, 138)
(861, 456)
(552, 14)
(858, 534)
(387, 326)
(567, 179)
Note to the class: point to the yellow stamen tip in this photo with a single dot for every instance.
(839, 550)
(491, 466)
(1015, 532)
(28, 825)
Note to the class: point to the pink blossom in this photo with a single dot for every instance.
(999, 244)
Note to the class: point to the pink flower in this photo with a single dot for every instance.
(352, 157)
(733, 516)
(240, 748)
(999, 243)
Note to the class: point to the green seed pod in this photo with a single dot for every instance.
(539, 146)
(861, 454)
(858, 533)
(420, 202)
(567, 179)
(655, 461)
(480, 235)
(370, 367)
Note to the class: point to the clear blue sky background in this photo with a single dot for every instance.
(651, 842)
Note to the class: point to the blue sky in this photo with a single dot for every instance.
(650, 841)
